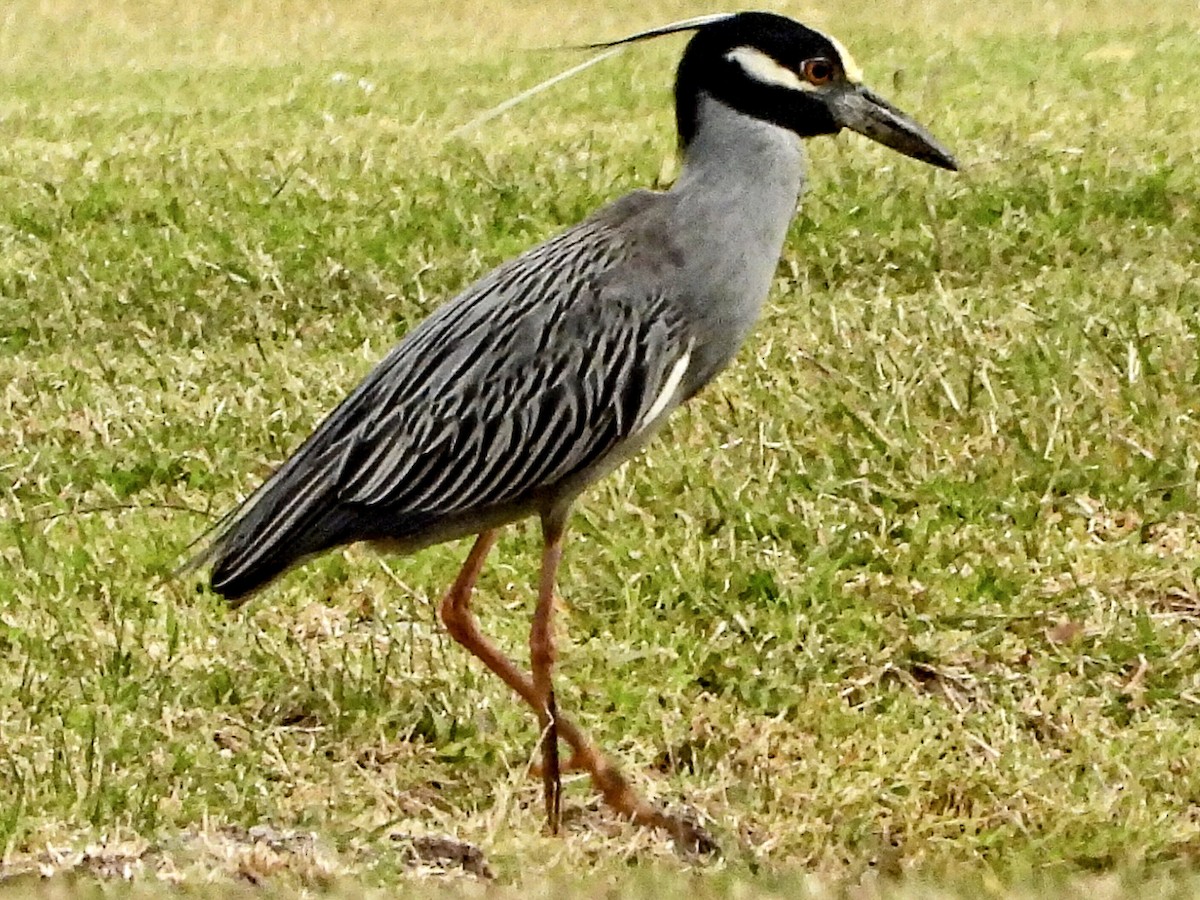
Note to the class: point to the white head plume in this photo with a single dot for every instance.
(611, 48)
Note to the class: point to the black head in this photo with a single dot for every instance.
(774, 69)
(766, 66)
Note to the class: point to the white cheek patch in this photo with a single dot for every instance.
(853, 73)
(761, 67)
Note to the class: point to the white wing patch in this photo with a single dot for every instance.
(667, 394)
(761, 67)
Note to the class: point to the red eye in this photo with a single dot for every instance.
(817, 71)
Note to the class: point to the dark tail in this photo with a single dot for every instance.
(252, 555)
(292, 516)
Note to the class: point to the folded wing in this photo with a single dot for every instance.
(532, 376)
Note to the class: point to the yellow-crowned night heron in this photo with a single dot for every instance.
(557, 366)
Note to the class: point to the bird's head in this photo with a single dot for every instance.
(773, 68)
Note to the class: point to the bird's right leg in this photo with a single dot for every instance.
(618, 793)
(541, 662)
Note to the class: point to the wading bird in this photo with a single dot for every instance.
(559, 365)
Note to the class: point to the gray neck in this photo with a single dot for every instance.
(734, 199)
(738, 160)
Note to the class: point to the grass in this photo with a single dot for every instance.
(908, 597)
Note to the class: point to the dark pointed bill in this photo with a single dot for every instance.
(864, 111)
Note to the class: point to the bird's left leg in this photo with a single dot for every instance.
(541, 660)
(618, 792)
(464, 628)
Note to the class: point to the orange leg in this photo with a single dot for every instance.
(542, 655)
(618, 793)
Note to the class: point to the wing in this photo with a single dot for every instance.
(526, 380)
(556, 364)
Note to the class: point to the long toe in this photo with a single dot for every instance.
(690, 837)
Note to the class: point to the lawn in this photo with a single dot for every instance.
(908, 597)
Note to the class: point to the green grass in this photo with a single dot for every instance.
(909, 593)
